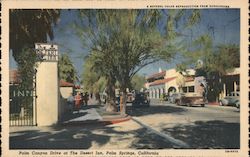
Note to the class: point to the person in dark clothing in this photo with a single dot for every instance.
(86, 98)
(82, 99)
(71, 102)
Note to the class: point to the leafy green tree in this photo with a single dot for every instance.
(124, 41)
(100, 85)
(27, 72)
(26, 58)
(217, 60)
(92, 81)
(96, 68)
(88, 77)
(138, 82)
(29, 26)
(225, 58)
(67, 71)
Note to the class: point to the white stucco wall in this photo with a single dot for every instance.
(156, 89)
(190, 83)
(66, 91)
(172, 83)
(48, 94)
(171, 73)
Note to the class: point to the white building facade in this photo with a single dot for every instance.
(168, 82)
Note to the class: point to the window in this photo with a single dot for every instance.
(191, 89)
(184, 89)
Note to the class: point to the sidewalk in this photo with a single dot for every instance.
(93, 114)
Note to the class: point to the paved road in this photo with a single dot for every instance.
(197, 127)
(159, 126)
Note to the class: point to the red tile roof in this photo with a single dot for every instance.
(156, 75)
(14, 76)
(66, 84)
(158, 82)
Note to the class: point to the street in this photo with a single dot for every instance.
(197, 127)
(160, 126)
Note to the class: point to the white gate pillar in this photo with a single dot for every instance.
(47, 86)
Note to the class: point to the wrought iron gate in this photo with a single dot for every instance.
(22, 109)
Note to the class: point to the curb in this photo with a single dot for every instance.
(114, 121)
(104, 121)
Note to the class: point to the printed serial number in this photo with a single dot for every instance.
(231, 151)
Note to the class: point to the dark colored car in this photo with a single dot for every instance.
(130, 97)
(141, 100)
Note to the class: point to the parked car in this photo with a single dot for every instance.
(192, 100)
(233, 99)
(130, 97)
(175, 97)
(141, 100)
(237, 104)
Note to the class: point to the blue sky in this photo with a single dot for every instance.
(222, 24)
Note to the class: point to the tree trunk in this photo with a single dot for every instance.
(123, 101)
(110, 103)
(98, 98)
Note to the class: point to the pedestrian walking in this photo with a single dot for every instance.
(118, 101)
(82, 98)
(78, 101)
(70, 102)
(86, 98)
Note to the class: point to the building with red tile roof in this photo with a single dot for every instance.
(163, 81)
(157, 75)
(66, 88)
(65, 84)
(166, 82)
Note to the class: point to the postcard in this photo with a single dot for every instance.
(120, 78)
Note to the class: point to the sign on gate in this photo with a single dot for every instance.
(22, 107)
(46, 52)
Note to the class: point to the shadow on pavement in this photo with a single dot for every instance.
(208, 134)
(149, 140)
(66, 137)
(83, 138)
(201, 135)
(142, 111)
